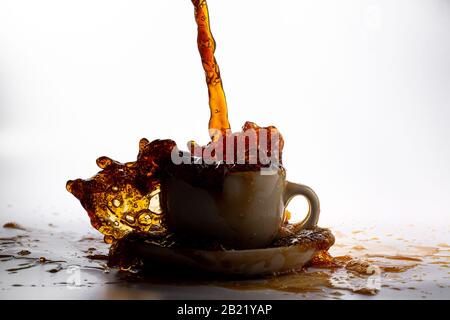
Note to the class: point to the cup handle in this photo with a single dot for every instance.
(292, 190)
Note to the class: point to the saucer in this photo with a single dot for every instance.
(285, 255)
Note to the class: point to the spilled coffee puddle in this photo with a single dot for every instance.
(30, 263)
(357, 270)
(325, 273)
(42, 258)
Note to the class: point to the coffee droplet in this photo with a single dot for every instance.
(116, 203)
(108, 239)
(104, 162)
(144, 142)
(69, 186)
(129, 218)
(115, 188)
(145, 219)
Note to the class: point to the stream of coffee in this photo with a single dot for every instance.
(218, 123)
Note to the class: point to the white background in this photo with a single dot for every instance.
(360, 89)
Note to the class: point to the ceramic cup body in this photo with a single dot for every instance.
(247, 213)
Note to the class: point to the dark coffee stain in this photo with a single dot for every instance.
(57, 269)
(395, 257)
(100, 257)
(85, 239)
(33, 263)
(14, 225)
(6, 257)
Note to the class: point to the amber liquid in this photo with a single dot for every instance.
(218, 123)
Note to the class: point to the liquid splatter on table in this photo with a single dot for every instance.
(51, 263)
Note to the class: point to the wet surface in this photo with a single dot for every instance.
(367, 264)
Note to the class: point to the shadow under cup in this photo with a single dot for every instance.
(246, 212)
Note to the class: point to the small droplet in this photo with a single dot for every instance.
(108, 239)
(129, 218)
(115, 188)
(69, 186)
(116, 203)
(143, 143)
(116, 223)
(24, 253)
(145, 219)
(104, 162)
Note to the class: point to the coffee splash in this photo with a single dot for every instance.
(124, 197)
